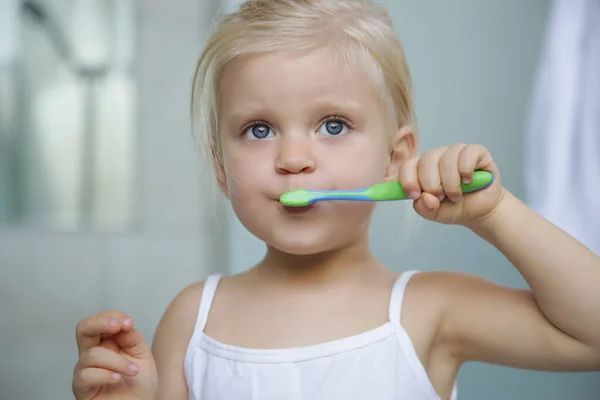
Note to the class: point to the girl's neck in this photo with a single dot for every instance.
(345, 263)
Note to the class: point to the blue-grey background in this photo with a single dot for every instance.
(473, 64)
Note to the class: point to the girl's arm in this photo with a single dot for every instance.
(171, 340)
(556, 325)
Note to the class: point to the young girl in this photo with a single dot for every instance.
(316, 94)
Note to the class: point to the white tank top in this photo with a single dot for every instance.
(377, 364)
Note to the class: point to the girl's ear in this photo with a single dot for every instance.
(404, 146)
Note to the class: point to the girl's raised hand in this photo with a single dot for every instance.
(115, 362)
(433, 181)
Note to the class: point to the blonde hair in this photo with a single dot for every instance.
(361, 32)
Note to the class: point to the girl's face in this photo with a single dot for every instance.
(302, 121)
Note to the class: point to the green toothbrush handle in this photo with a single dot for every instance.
(393, 190)
(380, 192)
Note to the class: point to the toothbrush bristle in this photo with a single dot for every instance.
(295, 198)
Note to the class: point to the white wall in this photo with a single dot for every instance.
(50, 280)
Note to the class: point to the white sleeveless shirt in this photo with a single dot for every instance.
(377, 364)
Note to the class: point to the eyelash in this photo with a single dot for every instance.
(334, 117)
(338, 118)
(253, 123)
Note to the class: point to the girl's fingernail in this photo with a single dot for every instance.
(128, 322)
(429, 206)
(466, 180)
(454, 199)
(132, 368)
(116, 376)
(112, 323)
(413, 195)
(441, 197)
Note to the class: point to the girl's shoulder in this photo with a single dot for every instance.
(428, 299)
(178, 320)
(430, 296)
(172, 337)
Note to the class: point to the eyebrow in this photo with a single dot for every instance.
(344, 105)
(255, 111)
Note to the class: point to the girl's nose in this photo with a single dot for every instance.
(295, 156)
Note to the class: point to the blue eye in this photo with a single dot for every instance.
(334, 127)
(258, 131)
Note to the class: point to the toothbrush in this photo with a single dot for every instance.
(380, 192)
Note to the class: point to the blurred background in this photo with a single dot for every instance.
(105, 201)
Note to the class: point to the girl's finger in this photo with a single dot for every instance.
(87, 378)
(472, 157)
(133, 343)
(427, 206)
(449, 173)
(409, 180)
(89, 331)
(101, 357)
(429, 172)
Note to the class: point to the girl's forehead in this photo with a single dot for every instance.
(297, 73)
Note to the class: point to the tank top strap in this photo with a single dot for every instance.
(397, 296)
(208, 293)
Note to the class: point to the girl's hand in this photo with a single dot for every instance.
(433, 181)
(115, 362)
